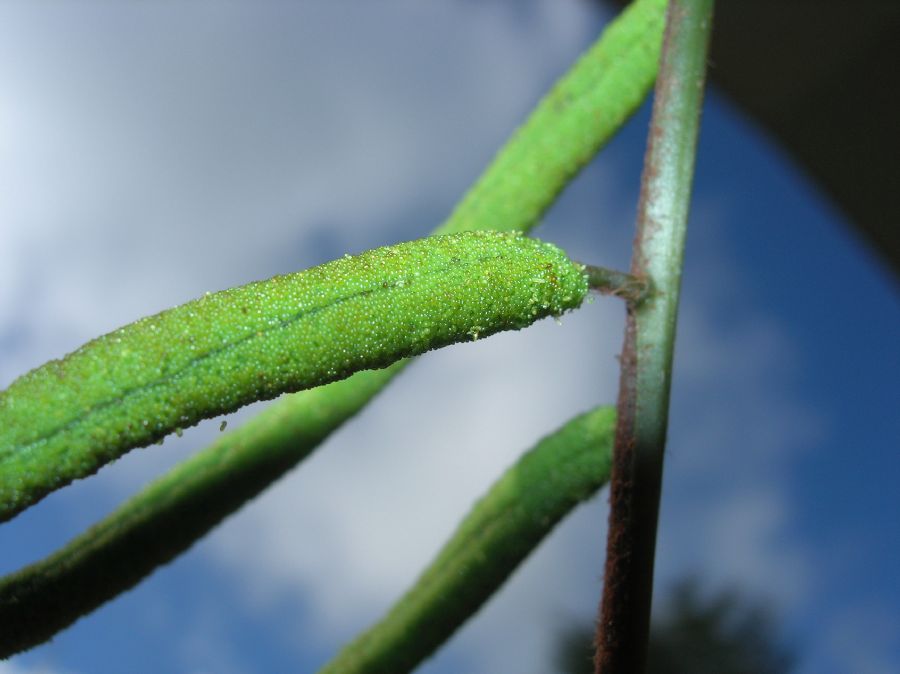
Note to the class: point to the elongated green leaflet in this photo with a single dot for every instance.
(134, 386)
(499, 532)
(572, 122)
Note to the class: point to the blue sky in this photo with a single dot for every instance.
(150, 153)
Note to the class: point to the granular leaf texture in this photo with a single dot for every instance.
(134, 386)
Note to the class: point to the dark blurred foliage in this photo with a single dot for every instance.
(727, 633)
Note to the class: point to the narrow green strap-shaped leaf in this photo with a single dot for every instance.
(156, 525)
(569, 126)
(499, 532)
(129, 388)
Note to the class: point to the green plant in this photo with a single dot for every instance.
(564, 132)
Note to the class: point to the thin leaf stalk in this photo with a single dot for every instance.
(646, 360)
